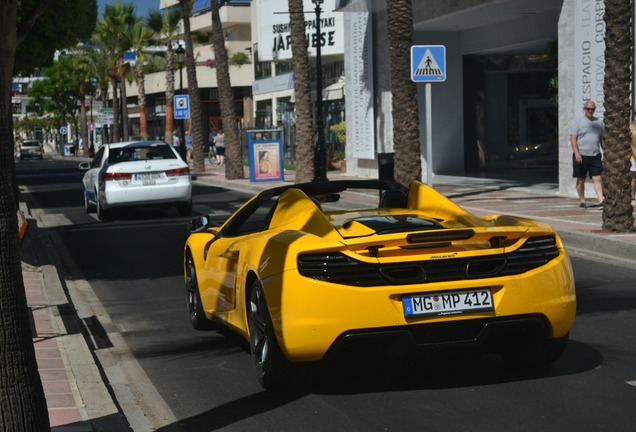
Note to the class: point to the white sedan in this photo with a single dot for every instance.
(134, 173)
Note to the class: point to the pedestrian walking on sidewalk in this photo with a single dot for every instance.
(219, 143)
(188, 145)
(586, 140)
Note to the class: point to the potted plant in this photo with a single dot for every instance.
(338, 157)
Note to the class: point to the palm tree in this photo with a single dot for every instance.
(116, 28)
(617, 211)
(302, 94)
(142, 38)
(98, 66)
(196, 128)
(406, 133)
(82, 70)
(168, 28)
(234, 167)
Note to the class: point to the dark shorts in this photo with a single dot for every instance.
(220, 151)
(592, 166)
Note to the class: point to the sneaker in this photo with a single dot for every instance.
(582, 205)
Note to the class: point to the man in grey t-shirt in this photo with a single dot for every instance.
(586, 138)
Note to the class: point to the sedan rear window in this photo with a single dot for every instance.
(140, 152)
(30, 144)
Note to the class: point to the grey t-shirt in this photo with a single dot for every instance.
(588, 135)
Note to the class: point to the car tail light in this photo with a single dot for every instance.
(178, 172)
(339, 268)
(114, 176)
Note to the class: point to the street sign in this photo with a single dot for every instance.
(181, 106)
(105, 116)
(91, 126)
(63, 130)
(428, 63)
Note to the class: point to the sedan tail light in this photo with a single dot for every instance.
(178, 172)
(114, 176)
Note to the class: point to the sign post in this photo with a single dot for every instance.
(182, 112)
(428, 64)
(181, 107)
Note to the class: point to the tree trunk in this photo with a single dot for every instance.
(617, 210)
(302, 94)
(124, 98)
(169, 94)
(406, 132)
(21, 393)
(234, 166)
(105, 135)
(83, 120)
(141, 96)
(198, 140)
(115, 131)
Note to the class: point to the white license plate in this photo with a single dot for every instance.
(447, 303)
(148, 178)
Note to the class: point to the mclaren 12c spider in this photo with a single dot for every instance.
(309, 271)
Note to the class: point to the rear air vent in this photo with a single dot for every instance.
(341, 269)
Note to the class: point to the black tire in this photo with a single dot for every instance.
(90, 208)
(273, 370)
(102, 214)
(197, 317)
(536, 354)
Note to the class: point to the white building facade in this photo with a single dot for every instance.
(496, 114)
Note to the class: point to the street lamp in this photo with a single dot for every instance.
(180, 54)
(320, 155)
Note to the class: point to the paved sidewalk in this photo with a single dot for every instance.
(65, 359)
(77, 397)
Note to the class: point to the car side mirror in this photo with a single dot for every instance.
(84, 166)
(198, 224)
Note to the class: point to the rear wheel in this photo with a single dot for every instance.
(90, 208)
(102, 214)
(198, 320)
(273, 369)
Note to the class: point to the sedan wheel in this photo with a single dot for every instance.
(198, 320)
(90, 208)
(102, 214)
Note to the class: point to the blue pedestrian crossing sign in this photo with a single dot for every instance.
(428, 63)
(181, 106)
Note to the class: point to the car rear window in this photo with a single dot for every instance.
(140, 152)
(30, 144)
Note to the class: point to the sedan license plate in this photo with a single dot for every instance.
(447, 303)
(149, 178)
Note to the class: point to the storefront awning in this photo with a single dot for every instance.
(334, 91)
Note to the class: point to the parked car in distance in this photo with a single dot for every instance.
(31, 149)
(309, 272)
(136, 173)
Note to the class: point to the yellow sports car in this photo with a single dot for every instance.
(309, 271)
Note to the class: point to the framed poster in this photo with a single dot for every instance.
(265, 156)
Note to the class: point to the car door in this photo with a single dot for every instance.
(221, 267)
(92, 175)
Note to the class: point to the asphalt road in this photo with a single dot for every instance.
(204, 381)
